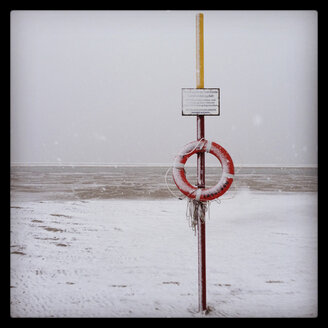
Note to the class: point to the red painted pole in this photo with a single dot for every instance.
(201, 221)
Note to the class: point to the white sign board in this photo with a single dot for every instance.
(200, 101)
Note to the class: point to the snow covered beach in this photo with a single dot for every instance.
(114, 243)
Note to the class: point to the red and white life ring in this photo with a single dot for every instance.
(203, 194)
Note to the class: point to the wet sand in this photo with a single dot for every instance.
(38, 183)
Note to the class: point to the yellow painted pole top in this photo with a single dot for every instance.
(200, 51)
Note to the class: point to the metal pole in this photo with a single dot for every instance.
(200, 166)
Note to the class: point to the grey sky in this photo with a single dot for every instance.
(105, 86)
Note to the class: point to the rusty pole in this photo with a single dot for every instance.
(201, 166)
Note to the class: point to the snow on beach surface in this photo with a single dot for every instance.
(138, 258)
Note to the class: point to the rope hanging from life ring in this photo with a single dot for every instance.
(203, 194)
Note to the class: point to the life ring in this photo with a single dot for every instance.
(203, 194)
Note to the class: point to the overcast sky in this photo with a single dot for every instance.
(105, 86)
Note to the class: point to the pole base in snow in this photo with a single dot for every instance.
(206, 311)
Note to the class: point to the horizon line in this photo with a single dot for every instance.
(151, 164)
